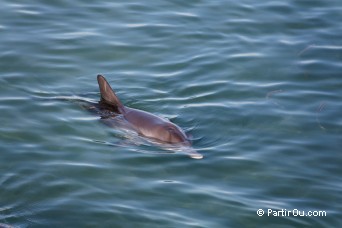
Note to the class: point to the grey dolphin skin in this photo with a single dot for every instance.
(144, 123)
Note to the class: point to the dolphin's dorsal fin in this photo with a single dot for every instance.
(107, 94)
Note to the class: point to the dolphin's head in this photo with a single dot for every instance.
(170, 133)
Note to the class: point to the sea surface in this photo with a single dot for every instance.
(257, 84)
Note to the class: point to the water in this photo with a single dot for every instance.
(256, 83)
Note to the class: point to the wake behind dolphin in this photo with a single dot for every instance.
(160, 130)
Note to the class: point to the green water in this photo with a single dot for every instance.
(256, 83)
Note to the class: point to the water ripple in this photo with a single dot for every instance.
(256, 84)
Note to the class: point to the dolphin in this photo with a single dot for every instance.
(146, 124)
